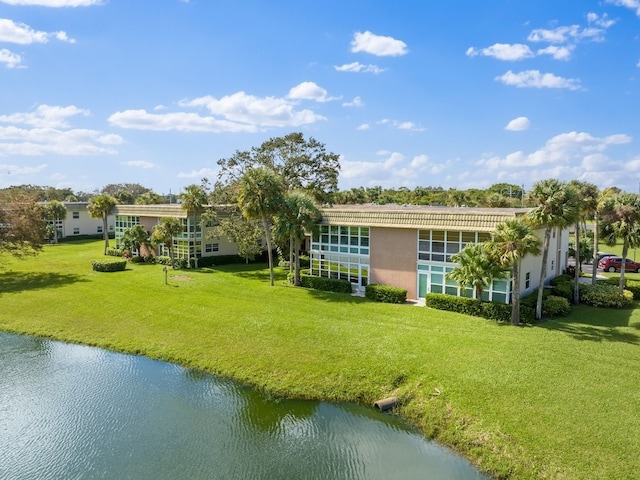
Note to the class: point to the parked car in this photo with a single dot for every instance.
(601, 255)
(613, 264)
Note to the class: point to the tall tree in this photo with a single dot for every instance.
(229, 222)
(555, 206)
(22, 226)
(602, 199)
(512, 240)
(476, 268)
(55, 211)
(298, 216)
(260, 197)
(135, 238)
(303, 164)
(164, 232)
(194, 198)
(100, 206)
(621, 220)
(150, 198)
(587, 196)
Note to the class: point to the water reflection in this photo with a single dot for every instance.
(69, 411)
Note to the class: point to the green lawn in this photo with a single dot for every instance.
(556, 400)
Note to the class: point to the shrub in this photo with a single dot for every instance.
(163, 260)
(325, 284)
(605, 295)
(109, 266)
(565, 278)
(500, 312)
(564, 290)
(114, 252)
(554, 306)
(385, 293)
(629, 284)
(137, 259)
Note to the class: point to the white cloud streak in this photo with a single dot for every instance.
(20, 33)
(535, 79)
(357, 67)
(54, 3)
(518, 124)
(378, 45)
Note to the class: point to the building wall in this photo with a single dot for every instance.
(84, 224)
(393, 258)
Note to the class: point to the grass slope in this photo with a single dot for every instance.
(557, 400)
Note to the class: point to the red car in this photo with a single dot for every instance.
(613, 264)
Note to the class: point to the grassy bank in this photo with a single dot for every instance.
(557, 400)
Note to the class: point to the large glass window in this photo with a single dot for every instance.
(339, 251)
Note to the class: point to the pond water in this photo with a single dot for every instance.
(77, 412)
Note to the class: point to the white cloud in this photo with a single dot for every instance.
(401, 125)
(309, 91)
(45, 116)
(139, 164)
(9, 58)
(603, 21)
(558, 53)
(202, 173)
(358, 67)
(356, 102)
(364, 126)
(51, 134)
(565, 33)
(632, 4)
(503, 51)
(54, 3)
(12, 169)
(570, 150)
(22, 34)
(518, 124)
(535, 79)
(377, 45)
(243, 112)
(176, 121)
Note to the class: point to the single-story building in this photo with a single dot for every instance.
(406, 246)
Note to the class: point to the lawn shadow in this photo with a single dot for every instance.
(11, 282)
(597, 325)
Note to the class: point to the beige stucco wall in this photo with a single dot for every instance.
(393, 256)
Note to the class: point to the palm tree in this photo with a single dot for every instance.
(135, 238)
(100, 206)
(298, 216)
(164, 232)
(476, 268)
(596, 230)
(588, 195)
(260, 197)
(621, 220)
(555, 206)
(193, 199)
(512, 240)
(55, 210)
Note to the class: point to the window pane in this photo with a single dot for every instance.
(468, 237)
(437, 235)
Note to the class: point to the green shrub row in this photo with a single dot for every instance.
(605, 295)
(500, 312)
(385, 293)
(114, 252)
(108, 266)
(629, 284)
(323, 283)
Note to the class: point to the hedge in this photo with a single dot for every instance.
(108, 266)
(385, 293)
(322, 283)
(605, 295)
(500, 312)
(629, 284)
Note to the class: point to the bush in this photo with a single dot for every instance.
(554, 306)
(500, 312)
(325, 284)
(629, 284)
(605, 295)
(565, 278)
(137, 259)
(114, 252)
(385, 293)
(108, 266)
(564, 290)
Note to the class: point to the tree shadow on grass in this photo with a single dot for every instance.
(12, 282)
(598, 325)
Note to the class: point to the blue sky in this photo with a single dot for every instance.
(434, 93)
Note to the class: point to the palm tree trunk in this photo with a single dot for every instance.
(543, 271)
(105, 234)
(267, 234)
(625, 251)
(515, 294)
(297, 263)
(578, 269)
(594, 267)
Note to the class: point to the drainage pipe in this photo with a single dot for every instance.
(386, 403)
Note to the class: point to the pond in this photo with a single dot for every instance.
(76, 412)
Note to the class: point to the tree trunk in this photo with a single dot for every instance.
(297, 262)
(55, 230)
(267, 234)
(543, 271)
(195, 239)
(578, 269)
(594, 267)
(105, 234)
(515, 294)
(625, 251)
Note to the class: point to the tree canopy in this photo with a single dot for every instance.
(22, 225)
